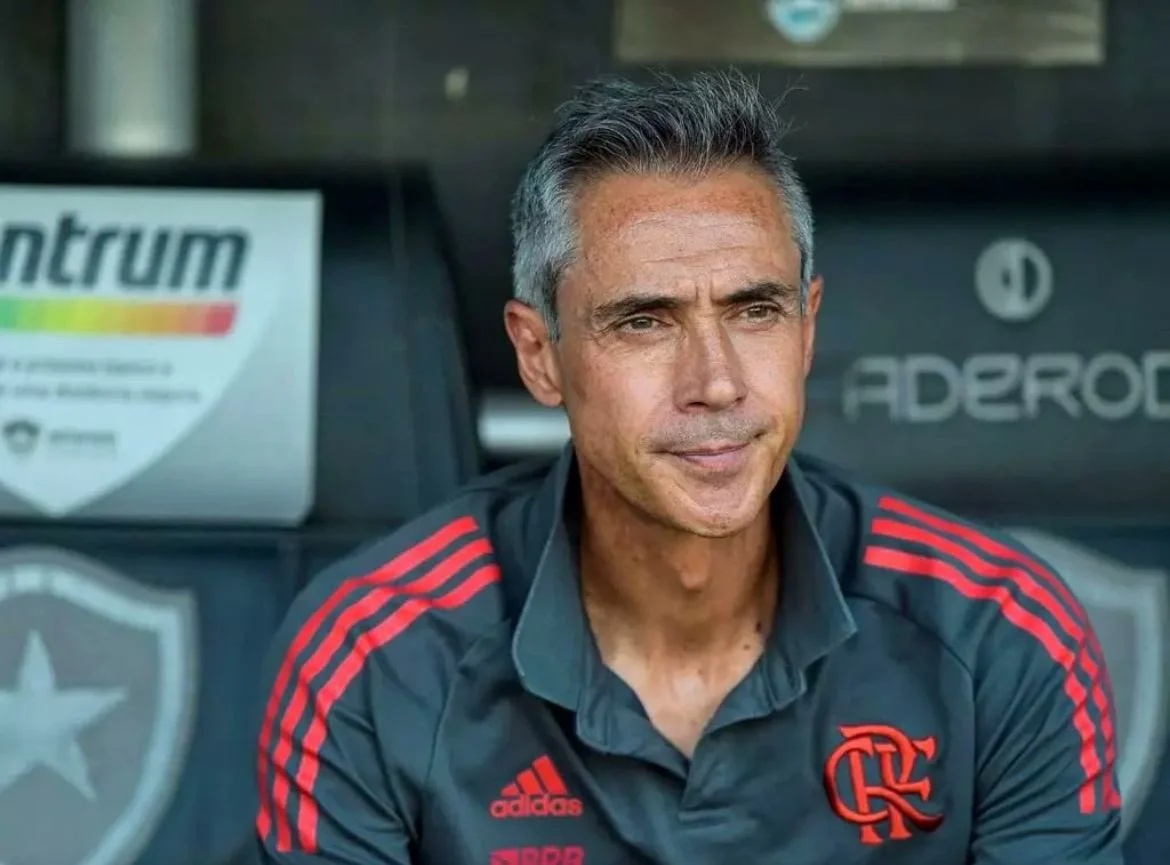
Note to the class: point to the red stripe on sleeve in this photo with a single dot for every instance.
(1029, 623)
(1026, 582)
(1102, 695)
(347, 671)
(399, 566)
(369, 605)
(1112, 794)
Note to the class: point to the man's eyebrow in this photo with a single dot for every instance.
(641, 303)
(633, 304)
(761, 291)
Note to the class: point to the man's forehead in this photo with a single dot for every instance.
(666, 235)
(636, 207)
(695, 236)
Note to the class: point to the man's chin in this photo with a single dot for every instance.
(713, 524)
(714, 513)
(712, 503)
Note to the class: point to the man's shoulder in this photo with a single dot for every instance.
(972, 586)
(422, 594)
(370, 650)
(446, 550)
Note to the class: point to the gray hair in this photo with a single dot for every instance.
(708, 122)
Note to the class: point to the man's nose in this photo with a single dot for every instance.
(710, 372)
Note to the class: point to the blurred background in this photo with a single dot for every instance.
(252, 261)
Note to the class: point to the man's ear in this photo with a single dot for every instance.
(812, 305)
(536, 358)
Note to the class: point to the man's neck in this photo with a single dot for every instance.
(669, 594)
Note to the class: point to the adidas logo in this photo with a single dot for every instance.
(538, 791)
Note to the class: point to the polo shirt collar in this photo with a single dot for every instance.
(553, 647)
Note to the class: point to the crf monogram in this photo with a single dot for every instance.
(888, 801)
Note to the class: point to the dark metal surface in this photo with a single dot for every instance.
(32, 54)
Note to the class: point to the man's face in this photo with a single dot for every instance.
(683, 350)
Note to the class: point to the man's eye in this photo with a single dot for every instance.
(761, 312)
(639, 323)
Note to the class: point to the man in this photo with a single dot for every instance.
(681, 644)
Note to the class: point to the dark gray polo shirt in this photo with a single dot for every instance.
(931, 694)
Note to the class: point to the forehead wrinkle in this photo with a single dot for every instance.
(649, 237)
(685, 235)
(656, 197)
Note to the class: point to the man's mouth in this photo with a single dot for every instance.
(714, 456)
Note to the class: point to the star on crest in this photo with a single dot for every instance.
(39, 724)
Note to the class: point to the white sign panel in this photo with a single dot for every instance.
(158, 352)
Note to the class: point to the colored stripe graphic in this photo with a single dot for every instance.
(348, 670)
(1025, 581)
(103, 317)
(371, 605)
(926, 566)
(1093, 660)
(395, 569)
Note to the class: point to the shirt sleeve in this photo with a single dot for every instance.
(332, 793)
(359, 676)
(1046, 787)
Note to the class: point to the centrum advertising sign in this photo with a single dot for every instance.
(157, 352)
(1018, 368)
